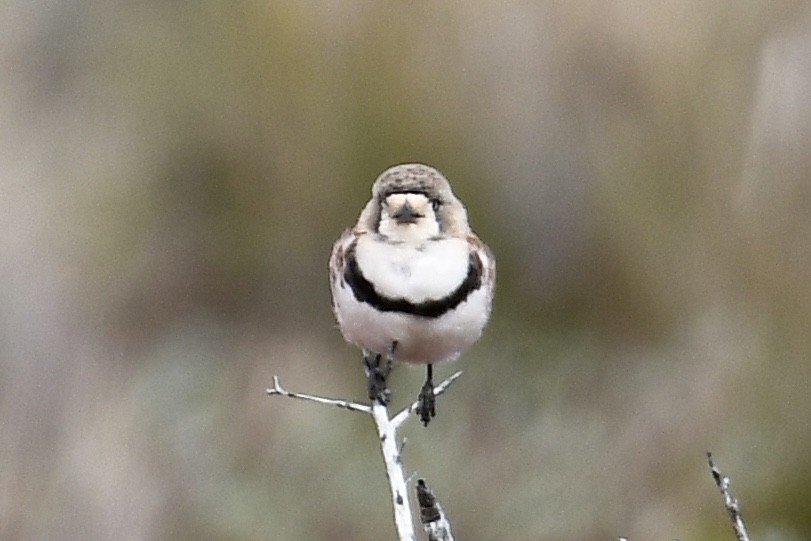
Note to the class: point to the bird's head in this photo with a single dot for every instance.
(414, 202)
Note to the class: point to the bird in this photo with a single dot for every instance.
(411, 282)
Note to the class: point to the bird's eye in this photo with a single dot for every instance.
(435, 204)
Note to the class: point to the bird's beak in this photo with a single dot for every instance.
(406, 214)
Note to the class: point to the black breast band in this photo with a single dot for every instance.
(364, 291)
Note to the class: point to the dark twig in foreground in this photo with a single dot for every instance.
(432, 516)
(731, 504)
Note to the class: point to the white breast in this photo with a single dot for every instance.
(403, 271)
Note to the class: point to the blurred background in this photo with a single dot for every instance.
(173, 175)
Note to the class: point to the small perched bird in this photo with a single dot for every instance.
(411, 282)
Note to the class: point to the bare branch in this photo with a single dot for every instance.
(432, 516)
(731, 504)
(387, 434)
(345, 404)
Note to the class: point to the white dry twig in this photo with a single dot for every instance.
(387, 434)
(345, 404)
(731, 504)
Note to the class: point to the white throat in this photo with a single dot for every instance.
(419, 225)
(409, 233)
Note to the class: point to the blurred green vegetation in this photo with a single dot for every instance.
(173, 175)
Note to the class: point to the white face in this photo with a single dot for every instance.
(408, 217)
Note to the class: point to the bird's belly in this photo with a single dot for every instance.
(419, 339)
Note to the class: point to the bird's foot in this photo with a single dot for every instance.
(426, 403)
(377, 373)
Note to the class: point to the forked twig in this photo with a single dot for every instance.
(387, 434)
